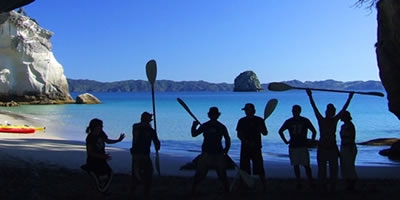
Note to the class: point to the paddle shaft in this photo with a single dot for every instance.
(278, 86)
(151, 72)
(154, 108)
(186, 107)
(342, 91)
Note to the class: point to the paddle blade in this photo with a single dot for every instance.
(270, 107)
(379, 94)
(183, 104)
(151, 71)
(275, 86)
(157, 163)
(246, 178)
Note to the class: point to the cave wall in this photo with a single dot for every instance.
(388, 51)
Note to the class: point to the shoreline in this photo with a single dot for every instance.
(46, 147)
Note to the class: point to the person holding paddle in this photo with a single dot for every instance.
(142, 166)
(298, 127)
(328, 151)
(212, 152)
(249, 130)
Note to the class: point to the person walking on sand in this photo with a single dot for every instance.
(348, 150)
(249, 129)
(328, 151)
(298, 127)
(142, 167)
(212, 151)
(96, 162)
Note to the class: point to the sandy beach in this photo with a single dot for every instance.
(42, 166)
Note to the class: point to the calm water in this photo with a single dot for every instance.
(120, 110)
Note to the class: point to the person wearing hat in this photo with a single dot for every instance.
(212, 152)
(142, 166)
(348, 150)
(328, 151)
(298, 127)
(249, 130)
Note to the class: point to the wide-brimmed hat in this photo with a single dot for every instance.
(214, 110)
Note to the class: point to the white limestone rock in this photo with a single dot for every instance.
(28, 69)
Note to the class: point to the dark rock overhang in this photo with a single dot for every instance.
(9, 5)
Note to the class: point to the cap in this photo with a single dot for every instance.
(214, 110)
(248, 106)
(146, 115)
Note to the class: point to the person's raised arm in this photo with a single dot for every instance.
(195, 132)
(313, 105)
(346, 105)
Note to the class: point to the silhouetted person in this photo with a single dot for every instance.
(328, 151)
(212, 152)
(142, 165)
(97, 157)
(348, 150)
(249, 130)
(298, 127)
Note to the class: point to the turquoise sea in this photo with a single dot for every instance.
(120, 110)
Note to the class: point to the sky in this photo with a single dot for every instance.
(211, 40)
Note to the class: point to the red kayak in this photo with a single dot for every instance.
(23, 130)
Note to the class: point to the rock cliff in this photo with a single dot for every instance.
(29, 71)
(247, 82)
(388, 51)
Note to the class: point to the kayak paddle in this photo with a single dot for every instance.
(270, 107)
(183, 104)
(276, 86)
(151, 72)
(248, 180)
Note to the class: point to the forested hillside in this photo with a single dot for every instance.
(180, 86)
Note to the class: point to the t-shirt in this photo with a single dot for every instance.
(212, 133)
(98, 142)
(142, 134)
(327, 133)
(348, 134)
(298, 128)
(251, 127)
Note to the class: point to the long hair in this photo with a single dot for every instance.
(92, 124)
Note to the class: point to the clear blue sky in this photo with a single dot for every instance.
(211, 40)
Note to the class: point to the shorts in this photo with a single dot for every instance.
(211, 161)
(299, 156)
(254, 156)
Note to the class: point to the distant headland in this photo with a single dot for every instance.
(80, 85)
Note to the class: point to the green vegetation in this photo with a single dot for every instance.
(181, 86)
